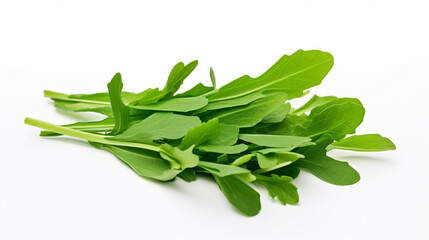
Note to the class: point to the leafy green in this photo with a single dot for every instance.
(245, 131)
(177, 75)
(326, 168)
(222, 170)
(121, 113)
(240, 195)
(201, 134)
(315, 101)
(185, 104)
(364, 143)
(280, 187)
(249, 115)
(234, 149)
(291, 74)
(159, 125)
(145, 163)
(278, 115)
(274, 140)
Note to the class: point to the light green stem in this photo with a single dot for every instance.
(65, 97)
(85, 135)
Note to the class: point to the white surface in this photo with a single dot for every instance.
(65, 189)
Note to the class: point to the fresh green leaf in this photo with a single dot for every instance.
(160, 125)
(178, 75)
(178, 158)
(222, 170)
(227, 136)
(201, 134)
(337, 120)
(278, 115)
(324, 167)
(188, 175)
(235, 102)
(196, 91)
(213, 78)
(185, 104)
(145, 163)
(234, 149)
(280, 187)
(240, 195)
(248, 115)
(274, 140)
(291, 74)
(121, 113)
(315, 101)
(148, 96)
(365, 143)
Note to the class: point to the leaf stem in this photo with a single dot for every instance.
(85, 135)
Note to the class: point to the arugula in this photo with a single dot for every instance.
(243, 133)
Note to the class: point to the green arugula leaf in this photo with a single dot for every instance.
(121, 112)
(178, 158)
(336, 119)
(177, 75)
(227, 136)
(272, 161)
(291, 74)
(213, 78)
(185, 104)
(274, 140)
(235, 102)
(188, 175)
(195, 91)
(148, 96)
(280, 187)
(201, 134)
(248, 115)
(222, 170)
(364, 143)
(240, 195)
(324, 167)
(160, 125)
(278, 115)
(234, 149)
(145, 163)
(314, 102)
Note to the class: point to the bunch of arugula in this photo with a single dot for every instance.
(244, 132)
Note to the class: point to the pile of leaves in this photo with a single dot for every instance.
(244, 132)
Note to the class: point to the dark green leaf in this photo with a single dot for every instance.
(121, 112)
(324, 167)
(145, 163)
(280, 187)
(240, 195)
(188, 175)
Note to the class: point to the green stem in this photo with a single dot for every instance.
(65, 97)
(85, 135)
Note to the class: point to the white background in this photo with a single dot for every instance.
(64, 189)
